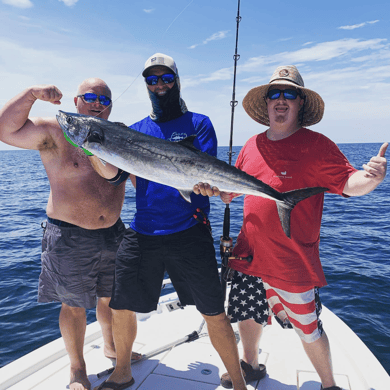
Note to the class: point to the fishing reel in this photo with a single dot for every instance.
(225, 249)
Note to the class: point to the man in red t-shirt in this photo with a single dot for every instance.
(285, 273)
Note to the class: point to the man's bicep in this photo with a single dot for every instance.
(36, 133)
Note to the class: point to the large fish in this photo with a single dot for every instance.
(175, 164)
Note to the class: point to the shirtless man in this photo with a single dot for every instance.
(84, 229)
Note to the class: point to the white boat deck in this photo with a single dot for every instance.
(196, 365)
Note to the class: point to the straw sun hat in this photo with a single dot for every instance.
(256, 107)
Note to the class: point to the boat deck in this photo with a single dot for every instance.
(196, 365)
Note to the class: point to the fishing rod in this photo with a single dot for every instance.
(226, 243)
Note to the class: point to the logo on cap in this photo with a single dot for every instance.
(158, 60)
(283, 73)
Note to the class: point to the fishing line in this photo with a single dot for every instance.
(136, 78)
(177, 17)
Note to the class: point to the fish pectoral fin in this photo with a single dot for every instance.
(188, 142)
(186, 194)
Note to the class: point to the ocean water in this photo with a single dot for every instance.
(355, 253)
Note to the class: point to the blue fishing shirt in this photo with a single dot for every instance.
(161, 209)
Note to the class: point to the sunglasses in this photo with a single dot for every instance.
(91, 98)
(166, 79)
(289, 94)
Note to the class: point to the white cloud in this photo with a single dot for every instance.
(19, 3)
(321, 52)
(374, 57)
(354, 26)
(358, 71)
(263, 66)
(222, 74)
(69, 3)
(329, 50)
(148, 11)
(215, 37)
(219, 75)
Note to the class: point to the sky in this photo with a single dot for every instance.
(341, 49)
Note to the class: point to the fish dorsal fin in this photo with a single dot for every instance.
(120, 124)
(188, 142)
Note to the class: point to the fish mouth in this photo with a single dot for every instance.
(61, 119)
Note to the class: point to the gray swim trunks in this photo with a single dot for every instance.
(78, 264)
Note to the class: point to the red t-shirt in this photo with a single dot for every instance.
(305, 159)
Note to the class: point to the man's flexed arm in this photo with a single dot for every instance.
(16, 128)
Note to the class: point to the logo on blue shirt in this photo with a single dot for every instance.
(175, 137)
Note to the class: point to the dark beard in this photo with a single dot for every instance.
(168, 106)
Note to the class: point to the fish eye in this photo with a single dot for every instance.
(69, 119)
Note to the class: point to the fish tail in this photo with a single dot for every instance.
(289, 200)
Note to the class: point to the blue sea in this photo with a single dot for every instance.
(355, 253)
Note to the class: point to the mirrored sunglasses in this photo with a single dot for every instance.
(92, 97)
(166, 79)
(290, 94)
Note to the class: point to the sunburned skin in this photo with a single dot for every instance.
(78, 194)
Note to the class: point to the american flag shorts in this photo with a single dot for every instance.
(247, 299)
(251, 298)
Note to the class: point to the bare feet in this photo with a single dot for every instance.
(136, 356)
(79, 380)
